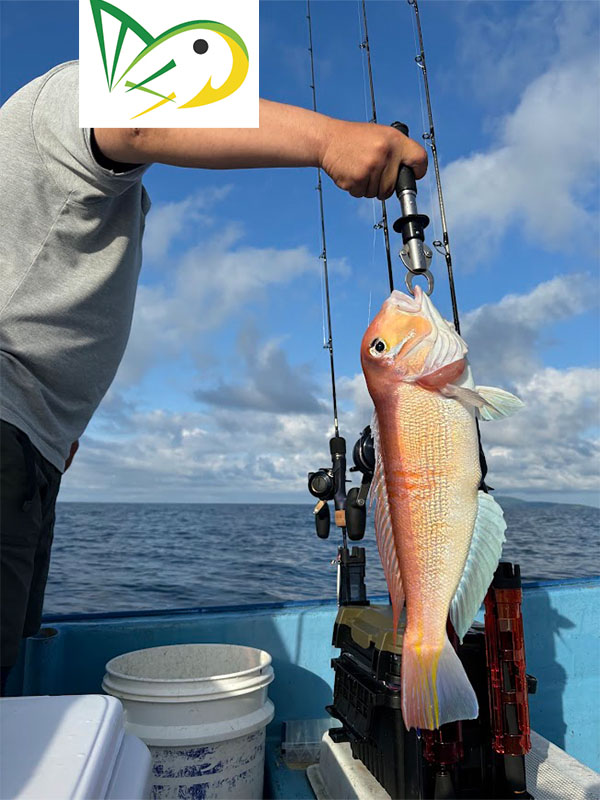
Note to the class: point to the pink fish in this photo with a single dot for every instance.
(439, 537)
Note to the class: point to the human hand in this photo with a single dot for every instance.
(364, 159)
(74, 449)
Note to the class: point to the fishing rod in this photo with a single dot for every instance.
(364, 45)
(329, 483)
(508, 684)
(415, 255)
(328, 345)
(443, 247)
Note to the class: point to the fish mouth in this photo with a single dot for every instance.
(405, 302)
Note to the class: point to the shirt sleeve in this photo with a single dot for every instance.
(66, 149)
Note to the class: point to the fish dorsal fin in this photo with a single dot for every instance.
(482, 560)
(383, 528)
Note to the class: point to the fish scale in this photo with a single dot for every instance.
(435, 439)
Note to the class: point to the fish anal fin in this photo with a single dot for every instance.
(435, 687)
(445, 375)
(383, 530)
(482, 560)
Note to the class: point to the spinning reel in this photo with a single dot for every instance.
(329, 483)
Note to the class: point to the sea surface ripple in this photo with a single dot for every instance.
(127, 556)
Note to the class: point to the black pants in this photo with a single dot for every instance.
(28, 490)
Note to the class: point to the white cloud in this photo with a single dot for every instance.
(499, 52)
(243, 455)
(204, 288)
(541, 174)
(272, 425)
(167, 222)
(503, 337)
(549, 445)
(270, 384)
(234, 455)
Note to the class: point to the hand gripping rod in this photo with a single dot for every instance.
(415, 254)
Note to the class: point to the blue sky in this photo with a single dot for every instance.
(223, 393)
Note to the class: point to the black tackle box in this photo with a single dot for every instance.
(367, 701)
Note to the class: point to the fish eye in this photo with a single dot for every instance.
(378, 346)
(200, 46)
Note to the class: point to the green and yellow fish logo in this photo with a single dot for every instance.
(166, 65)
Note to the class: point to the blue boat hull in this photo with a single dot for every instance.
(562, 646)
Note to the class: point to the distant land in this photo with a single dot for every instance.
(506, 501)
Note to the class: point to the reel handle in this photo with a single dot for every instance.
(322, 519)
(356, 516)
(406, 176)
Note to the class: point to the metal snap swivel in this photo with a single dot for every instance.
(409, 277)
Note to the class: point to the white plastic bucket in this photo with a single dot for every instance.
(202, 710)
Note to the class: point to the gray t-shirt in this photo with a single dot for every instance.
(70, 255)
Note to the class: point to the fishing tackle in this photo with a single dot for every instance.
(383, 224)
(509, 685)
(455, 760)
(443, 247)
(415, 255)
(329, 483)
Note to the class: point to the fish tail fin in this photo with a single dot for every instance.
(435, 687)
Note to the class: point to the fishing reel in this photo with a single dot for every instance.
(329, 483)
(321, 485)
(363, 454)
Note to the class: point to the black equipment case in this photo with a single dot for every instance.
(456, 762)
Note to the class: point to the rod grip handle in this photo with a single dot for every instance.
(406, 175)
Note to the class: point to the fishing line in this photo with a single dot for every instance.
(362, 61)
(428, 179)
(376, 225)
(329, 343)
(442, 247)
(365, 45)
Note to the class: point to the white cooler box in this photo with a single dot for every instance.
(70, 747)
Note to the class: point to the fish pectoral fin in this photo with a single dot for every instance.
(498, 403)
(491, 403)
(435, 687)
(468, 396)
(482, 560)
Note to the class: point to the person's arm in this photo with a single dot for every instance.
(361, 158)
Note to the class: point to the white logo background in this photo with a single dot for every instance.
(99, 107)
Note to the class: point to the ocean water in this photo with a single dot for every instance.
(125, 557)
